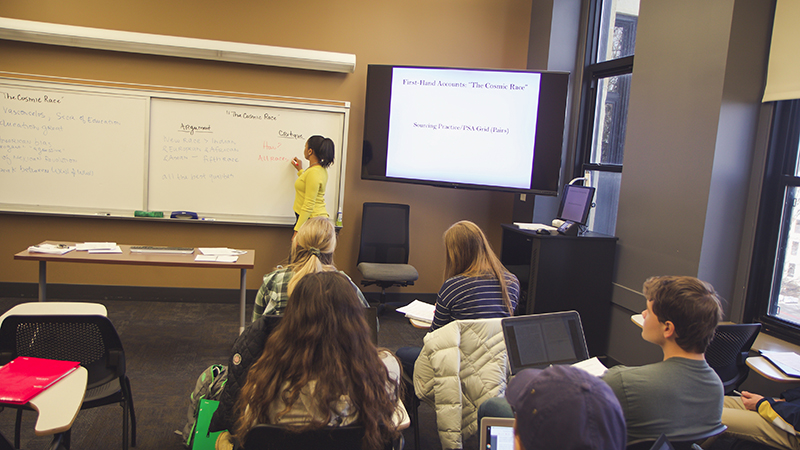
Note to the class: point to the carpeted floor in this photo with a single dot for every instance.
(167, 345)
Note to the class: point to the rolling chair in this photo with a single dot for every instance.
(727, 352)
(685, 442)
(383, 252)
(277, 437)
(88, 339)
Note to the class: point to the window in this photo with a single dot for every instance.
(774, 294)
(604, 105)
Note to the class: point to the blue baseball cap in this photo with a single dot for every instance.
(565, 408)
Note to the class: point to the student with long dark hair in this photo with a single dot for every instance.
(309, 199)
(319, 368)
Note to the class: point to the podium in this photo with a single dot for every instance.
(562, 273)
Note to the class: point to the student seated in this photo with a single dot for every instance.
(681, 395)
(319, 368)
(771, 421)
(476, 286)
(564, 408)
(312, 251)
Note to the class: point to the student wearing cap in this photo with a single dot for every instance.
(564, 408)
(680, 395)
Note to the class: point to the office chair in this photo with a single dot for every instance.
(278, 437)
(383, 253)
(684, 442)
(88, 339)
(728, 351)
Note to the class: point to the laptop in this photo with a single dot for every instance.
(538, 341)
(497, 433)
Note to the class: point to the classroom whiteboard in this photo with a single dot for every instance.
(233, 160)
(86, 149)
(71, 150)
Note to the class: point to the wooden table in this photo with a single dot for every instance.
(244, 262)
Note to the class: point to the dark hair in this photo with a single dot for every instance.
(690, 304)
(322, 148)
(322, 340)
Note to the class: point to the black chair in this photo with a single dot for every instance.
(383, 253)
(91, 340)
(728, 351)
(277, 437)
(683, 442)
(412, 405)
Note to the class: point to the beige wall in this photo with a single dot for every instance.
(463, 33)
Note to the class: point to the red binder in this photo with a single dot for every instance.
(25, 377)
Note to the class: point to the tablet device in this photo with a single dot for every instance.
(497, 433)
(538, 341)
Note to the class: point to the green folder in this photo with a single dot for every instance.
(202, 439)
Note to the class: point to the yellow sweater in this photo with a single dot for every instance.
(309, 198)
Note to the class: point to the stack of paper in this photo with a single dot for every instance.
(99, 247)
(419, 311)
(219, 254)
(592, 365)
(51, 249)
(787, 362)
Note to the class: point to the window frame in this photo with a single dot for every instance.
(779, 175)
(593, 73)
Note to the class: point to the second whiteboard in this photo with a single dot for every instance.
(232, 161)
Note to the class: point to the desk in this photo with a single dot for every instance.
(763, 366)
(245, 261)
(59, 404)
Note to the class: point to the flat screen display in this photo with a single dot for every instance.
(470, 128)
(576, 201)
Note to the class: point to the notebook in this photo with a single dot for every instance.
(497, 433)
(541, 340)
(25, 377)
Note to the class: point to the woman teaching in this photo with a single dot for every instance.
(309, 198)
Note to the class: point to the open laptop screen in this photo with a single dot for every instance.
(540, 340)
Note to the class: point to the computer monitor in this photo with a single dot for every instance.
(575, 203)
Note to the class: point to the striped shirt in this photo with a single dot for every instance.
(473, 298)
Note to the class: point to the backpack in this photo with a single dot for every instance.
(209, 387)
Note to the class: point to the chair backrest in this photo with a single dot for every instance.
(276, 437)
(728, 351)
(90, 340)
(384, 233)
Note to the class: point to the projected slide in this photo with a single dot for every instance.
(463, 126)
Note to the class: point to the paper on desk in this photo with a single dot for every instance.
(51, 249)
(592, 365)
(533, 226)
(216, 258)
(96, 246)
(114, 249)
(225, 251)
(784, 360)
(418, 310)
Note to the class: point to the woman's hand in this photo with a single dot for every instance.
(298, 165)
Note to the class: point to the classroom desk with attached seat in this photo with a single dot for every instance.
(244, 262)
